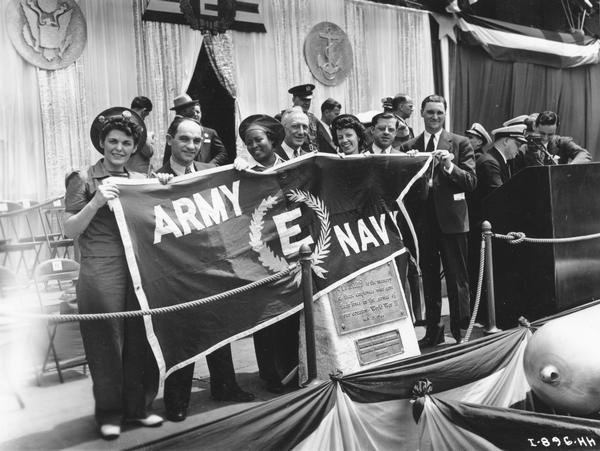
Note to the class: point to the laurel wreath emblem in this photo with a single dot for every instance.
(266, 255)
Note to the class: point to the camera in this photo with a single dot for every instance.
(534, 139)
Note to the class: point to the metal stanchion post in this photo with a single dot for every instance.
(486, 229)
(309, 324)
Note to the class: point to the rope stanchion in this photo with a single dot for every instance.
(64, 318)
(478, 293)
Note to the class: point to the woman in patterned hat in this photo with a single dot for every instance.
(117, 352)
(348, 134)
(261, 135)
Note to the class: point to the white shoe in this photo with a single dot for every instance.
(110, 431)
(151, 421)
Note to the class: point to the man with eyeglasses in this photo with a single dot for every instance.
(441, 220)
(295, 123)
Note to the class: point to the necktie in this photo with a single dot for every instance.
(431, 144)
(188, 170)
(296, 153)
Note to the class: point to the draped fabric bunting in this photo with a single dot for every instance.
(368, 410)
(480, 399)
(391, 47)
(221, 229)
(508, 42)
(452, 425)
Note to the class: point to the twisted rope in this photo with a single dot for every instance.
(520, 237)
(64, 318)
(478, 294)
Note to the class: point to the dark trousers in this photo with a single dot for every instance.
(451, 248)
(121, 363)
(178, 386)
(276, 348)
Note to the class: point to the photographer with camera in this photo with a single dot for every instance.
(544, 147)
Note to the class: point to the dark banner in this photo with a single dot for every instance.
(210, 232)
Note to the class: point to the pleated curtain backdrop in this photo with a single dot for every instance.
(391, 51)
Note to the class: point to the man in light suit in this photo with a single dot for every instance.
(330, 109)
(441, 220)
(212, 149)
(185, 138)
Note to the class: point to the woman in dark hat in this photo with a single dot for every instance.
(117, 352)
(261, 135)
(348, 134)
(276, 346)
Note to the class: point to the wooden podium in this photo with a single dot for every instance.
(536, 280)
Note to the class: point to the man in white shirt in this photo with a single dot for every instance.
(441, 220)
(384, 127)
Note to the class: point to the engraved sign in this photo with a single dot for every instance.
(50, 34)
(328, 53)
(379, 347)
(371, 298)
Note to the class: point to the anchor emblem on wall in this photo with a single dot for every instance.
(328, 53)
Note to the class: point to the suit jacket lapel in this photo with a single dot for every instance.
(279, 151)
(445, 141)
(503, 165)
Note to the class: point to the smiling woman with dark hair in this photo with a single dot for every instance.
(348, 134)
(117, 352)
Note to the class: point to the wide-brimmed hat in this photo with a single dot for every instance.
(265, 123)
(183, 101)
(480, 132)
(113, 114)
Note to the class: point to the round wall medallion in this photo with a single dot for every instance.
(50, 34)
(328, 53)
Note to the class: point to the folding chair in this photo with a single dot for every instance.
(18, 235)
(52, 217)
(59, 270)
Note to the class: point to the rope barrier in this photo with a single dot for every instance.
(478, 293)
(520, 237)
(63, 318)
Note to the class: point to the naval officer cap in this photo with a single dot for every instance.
(519, 120)
(480, 132)
(302, 91)
(512, 131)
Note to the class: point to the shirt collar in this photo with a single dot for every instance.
(288, 150)
(99, 171)
(436, 138)
(377, 149)
(180, 169)
(278, 161)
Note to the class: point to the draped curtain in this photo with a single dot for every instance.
(490, 92)
(22, 168)
(391, 51)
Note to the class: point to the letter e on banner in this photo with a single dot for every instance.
(285, 232)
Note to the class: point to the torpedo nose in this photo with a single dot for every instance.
(550, 375)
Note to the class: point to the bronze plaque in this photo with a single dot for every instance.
(371, 298)
(328, 53)
(49, 34)
(379, 347)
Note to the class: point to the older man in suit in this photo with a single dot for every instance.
(442, 220)
(295, 124)
(185, 136)
(212, 150)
